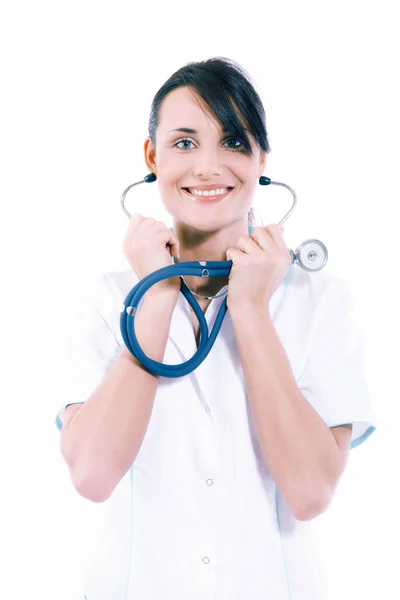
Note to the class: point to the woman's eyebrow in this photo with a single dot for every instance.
(183, 130)
(188, 130)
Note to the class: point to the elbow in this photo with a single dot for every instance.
(87, 482)
(312, 507)
(308, 513)
(93, 495)
(92, 480)
(90, 488)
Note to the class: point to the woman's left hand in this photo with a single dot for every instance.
(260, 264)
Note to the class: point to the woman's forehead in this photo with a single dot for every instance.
(183, 108)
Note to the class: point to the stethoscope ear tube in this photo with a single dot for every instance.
(147, 179)
(311, 255)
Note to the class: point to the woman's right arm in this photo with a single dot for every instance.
(102, 439)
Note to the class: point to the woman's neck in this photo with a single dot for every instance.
(197, 245)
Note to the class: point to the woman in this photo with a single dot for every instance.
(213, 477)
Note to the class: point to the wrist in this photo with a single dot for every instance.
(159, 296)
(244, 310)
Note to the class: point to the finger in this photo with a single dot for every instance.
(174, 245)
(274, 231)
(147, 223)
(135, 220)
(168, 238)
(248, 245)
(138, 226)
(172, 241)
(261, 236)
(236, 256)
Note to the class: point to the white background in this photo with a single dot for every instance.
(77, 82)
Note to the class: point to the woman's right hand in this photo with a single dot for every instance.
(149, 246)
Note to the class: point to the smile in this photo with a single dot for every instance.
(207, 196)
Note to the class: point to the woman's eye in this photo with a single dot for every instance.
(237, 144)
(234, 140)
(185, 141)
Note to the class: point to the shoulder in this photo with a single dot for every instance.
(120, 283)
(309, 289)
(109, 288)
(104, 294)
(314, 284)
(319, 289)
(308, 299)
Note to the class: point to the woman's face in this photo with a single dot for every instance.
(205, 158)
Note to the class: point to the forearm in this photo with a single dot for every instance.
(298, 447)
(105, 435)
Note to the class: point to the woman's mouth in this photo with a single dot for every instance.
(207, 196)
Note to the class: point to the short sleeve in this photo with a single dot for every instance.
(333, 380)
(92, 345)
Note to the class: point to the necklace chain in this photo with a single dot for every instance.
(199, 295)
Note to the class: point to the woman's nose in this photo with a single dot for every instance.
(207, 164)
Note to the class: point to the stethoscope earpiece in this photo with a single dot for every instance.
(150, 178)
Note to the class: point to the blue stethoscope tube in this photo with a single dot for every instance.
(308, 255)
(127, 319)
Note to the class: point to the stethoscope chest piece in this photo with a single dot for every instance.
(311, 255)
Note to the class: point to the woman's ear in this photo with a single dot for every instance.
(150, 155)
(262, 163)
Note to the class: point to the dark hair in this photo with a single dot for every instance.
(222, 84)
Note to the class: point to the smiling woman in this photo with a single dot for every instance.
(214, 102)
(214, 475)
(208, 177)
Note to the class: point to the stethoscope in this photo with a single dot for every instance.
(311, 255)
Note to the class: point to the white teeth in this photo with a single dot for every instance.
(208, 192)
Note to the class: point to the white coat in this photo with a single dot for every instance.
(198, 516)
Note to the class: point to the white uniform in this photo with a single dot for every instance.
(198, 516)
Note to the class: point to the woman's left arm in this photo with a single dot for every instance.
(306, 459)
